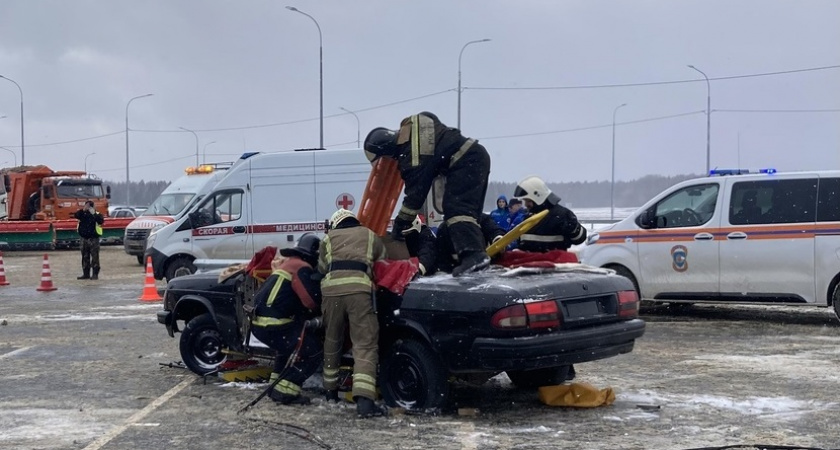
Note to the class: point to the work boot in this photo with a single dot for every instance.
(95, 274)
(288, 399)
(332, 396)
(472, 262)
(85, 275)
(366, 408)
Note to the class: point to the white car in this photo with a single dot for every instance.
(732, 237)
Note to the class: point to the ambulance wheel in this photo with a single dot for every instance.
(549, 376)
(835, 300)
(201, 345)
(140, 259)
(179, 267)
(412, 377)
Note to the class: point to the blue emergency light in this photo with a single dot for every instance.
(768, 171)
(724, 172)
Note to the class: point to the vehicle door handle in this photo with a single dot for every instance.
(239, 229)
(736, 235)
(704, 237)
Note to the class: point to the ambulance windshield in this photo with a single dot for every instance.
(169, 204)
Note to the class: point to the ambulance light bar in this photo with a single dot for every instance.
(199, 170)
(724, 172)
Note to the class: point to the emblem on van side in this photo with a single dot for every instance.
(679, 255)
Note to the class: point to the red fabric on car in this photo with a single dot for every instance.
(260, 265)
(394, 275)
(518, 258)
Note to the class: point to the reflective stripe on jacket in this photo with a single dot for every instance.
(357, 244)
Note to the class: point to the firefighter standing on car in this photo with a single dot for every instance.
(447, 257)
(424, 149)
(557, 231)
(287, 299)
(90, 230)
(346, 259)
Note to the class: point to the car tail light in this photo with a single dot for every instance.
(530, 315)
(628, 304)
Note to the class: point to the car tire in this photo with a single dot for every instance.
(550, 376)
(201, 345)
(835, 301)
(179, 267)
(412, 377)
(140, 259)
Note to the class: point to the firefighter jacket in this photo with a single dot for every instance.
(422, 245)
(558, 231)
(288, 295)
(427, 148)
(90, 225)
(346, 258)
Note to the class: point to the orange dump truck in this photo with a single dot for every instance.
(40, 206)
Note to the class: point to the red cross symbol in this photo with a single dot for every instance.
(345, 201)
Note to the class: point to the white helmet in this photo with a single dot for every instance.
(534, 189)
(339, 216)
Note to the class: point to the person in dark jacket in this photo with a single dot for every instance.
(557, 231)
(425, 148)
(447, 257)
(421, 244)
(287, 299)
(346, 259)
(90, 230)
(502, 213)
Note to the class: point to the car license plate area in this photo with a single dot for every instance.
(587, 309)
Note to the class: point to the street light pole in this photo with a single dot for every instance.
(708, 118)
(612, 183)
(459, 75)
(12, 152)
(22, 148)
(204, 152)
(127, 174)
(86, 157)
(196, 144)
(320, 67)
(358, 126)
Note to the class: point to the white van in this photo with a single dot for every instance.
(733, 237)
(264, 199)
(176, 200)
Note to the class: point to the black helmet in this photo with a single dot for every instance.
(380, 142)
(307, 249)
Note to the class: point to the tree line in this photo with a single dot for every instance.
(577, 194)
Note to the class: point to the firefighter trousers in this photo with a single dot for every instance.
(355, 310)
(283, 339)
(463, 199)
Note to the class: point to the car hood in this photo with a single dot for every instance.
(202, 282)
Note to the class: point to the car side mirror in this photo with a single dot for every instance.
(647, 219)
(108, 192)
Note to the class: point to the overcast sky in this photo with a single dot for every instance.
(251, 68)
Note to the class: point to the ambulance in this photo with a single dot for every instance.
(175, 201)
(733, 237)
(264, 199)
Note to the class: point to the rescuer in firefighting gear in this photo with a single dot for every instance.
(287, 299)
(447, 257)
(346, 259)
(421, 244)
(559, 230)
(425, 148)
(90, 230)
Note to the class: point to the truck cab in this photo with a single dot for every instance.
(43, 194)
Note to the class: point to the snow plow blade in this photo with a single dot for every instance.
(20, 235)
(66, 234)
(113, 230)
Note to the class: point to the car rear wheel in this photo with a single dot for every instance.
(201, 345)
(549, 376)
(412, 377)
(179, 267)
(835, 300)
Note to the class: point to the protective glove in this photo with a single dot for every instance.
(400, 225)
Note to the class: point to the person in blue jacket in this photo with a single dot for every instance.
(501, 215)
(517, 212)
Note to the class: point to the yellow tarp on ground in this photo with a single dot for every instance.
(579, 395)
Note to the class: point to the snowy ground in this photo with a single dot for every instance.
(80, 370)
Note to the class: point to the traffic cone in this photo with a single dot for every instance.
(3, 281)
(46, 276)
(150, 293)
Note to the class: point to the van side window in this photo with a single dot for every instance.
(222, 207)
(687, 207)
(828, 207)
(773, 201)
